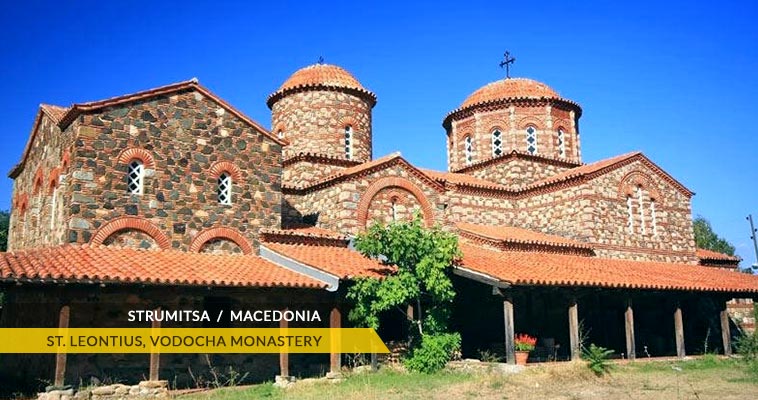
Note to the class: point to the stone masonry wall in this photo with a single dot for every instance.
(304, 173)
(517, 172)
(41, 190)
(393, 204)
(186, 137)
(336, 207)
(314, 121)
(512, 121)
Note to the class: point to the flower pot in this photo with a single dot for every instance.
(521, 357)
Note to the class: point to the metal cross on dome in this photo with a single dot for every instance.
(506, 63)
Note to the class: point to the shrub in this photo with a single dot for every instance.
(747, 346)
(524, 342)
(435, 351)
(598, 359)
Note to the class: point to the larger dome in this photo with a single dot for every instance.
(510, 88)
(320, 76)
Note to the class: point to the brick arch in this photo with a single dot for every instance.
(636, 178)
(525, 122)
(220, 167)
(209, 234)
(389, 182)
(132, 153)
(348, 120)
(136, 223)
(52, 181)
(38, 181)
(280, 128)
(65, 160)
(22, 203)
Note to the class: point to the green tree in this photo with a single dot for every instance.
(424, 258)
(5, 217)
(706, 238)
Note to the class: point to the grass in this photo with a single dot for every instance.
(705, 378)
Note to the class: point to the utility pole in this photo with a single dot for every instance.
(755, 240)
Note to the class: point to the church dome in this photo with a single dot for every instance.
(510, 88)
(316, 76)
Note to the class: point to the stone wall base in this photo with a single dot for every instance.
(143, 390)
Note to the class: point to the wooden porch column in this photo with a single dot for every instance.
(631, 349)
(510, 351)
(284, 357)
(155, 356)
(60, 358)
(335, 357)
(573, 317)
(726, 334)
(679, 331)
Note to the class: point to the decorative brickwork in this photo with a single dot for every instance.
(130, 224)
(201, 241)
(377, 201)
(130, 154)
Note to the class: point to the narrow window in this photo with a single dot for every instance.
(53, 206)
(653, 217)
(531, 140)
(225, 189)
(469, 150)
(135, 177)
(280, 134)
(561, 144)
(630, 215)
(394, 209)
(349, 142)
(497, 143)
(642, 209)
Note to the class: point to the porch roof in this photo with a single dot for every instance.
(100, 264)
(520, 268)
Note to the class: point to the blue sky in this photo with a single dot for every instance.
(674, 80)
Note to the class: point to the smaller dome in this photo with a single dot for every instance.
(510, 88)
(319, 75)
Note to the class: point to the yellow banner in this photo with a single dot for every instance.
(190, 340)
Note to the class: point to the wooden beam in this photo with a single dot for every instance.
(726, 334)
(510, 351)
(335, 357)
(284, 357)
(155, 356)
(631, 350)
(573, 317)
(60, 358)
(679, 331)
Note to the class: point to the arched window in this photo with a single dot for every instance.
(468, 149)
(531, 140)
(349, 142)
(561, 144)
(497, 143)
(653, 217)
(394, 208)
(642, 209)
(224, 190)
(280, 134)
(135, 177)
(630, 215)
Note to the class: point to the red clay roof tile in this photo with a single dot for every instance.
(537, 268)
(72, 263)
(704, 254)
(320, 75)
(339, 261)
(511, 234)
(510, 88)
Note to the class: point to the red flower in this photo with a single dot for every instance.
(524, 342)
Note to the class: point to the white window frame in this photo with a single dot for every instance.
(224, 189)
(497, 148)
(531, 132)
(640, 198)
(468, 146)
(349, 142)
(630, 214)
(561, 143)
(653, 217)
(135, 177)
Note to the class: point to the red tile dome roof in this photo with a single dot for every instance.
(510, 88)
(320, 75)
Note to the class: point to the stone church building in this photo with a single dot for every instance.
(172, 198)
